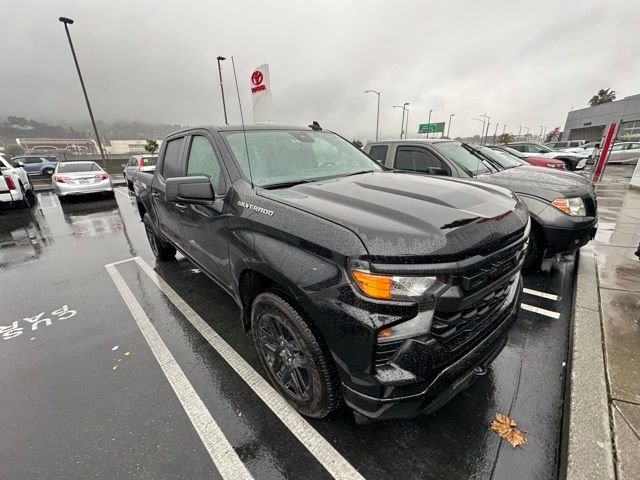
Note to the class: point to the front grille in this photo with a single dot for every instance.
(455, 330)
(591, 206)
(478, 277)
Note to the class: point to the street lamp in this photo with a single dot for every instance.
(404, 108)
(378, 114)
(449, 126)
(67, 21)
(224, 105)
(429, 120)
(483, 123)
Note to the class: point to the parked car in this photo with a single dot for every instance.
(386, 289)
(15, 186)
(37, 165)
(586, 149)
(80, 178)
(535, 161)
(625, 152)
(565, 144)
(143, 163)
(562, 204)
(571, 160)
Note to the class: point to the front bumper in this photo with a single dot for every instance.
(561, 239)
(448, 382)
(65, 189)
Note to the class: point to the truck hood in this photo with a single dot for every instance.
(402, 214)
(540, 182)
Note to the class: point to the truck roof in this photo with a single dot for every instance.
(238, 128)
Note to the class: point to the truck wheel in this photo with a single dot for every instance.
(26, 197)
(294, 359)
(533, 259)
(161, 249)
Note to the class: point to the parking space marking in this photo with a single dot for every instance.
(530, 291)
(121, 261)
(222, 453)
(541, 311)
(315, 443)
(53, 201)
(120, 191)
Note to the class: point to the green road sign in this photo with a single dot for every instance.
(431, 127)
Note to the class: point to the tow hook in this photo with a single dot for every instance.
(480, 371)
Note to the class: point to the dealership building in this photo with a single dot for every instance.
(589, 123)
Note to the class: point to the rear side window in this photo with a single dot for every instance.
(171, 164)
(29, 160)
(379, 152)
(204, 161)
(575, 144)
(416, 159)
(519, 148)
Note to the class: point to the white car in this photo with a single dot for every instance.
(15, 186)
(80, 178)
(573, 161)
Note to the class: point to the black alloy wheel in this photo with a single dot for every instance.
(284, 356)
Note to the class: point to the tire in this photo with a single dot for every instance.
(26, 200)
(48, 171)
(161, 249)
(535, 252)
(297, 364)
(570, 166)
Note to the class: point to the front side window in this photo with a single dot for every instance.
(619, 147)
(416, 159)
(291, 156)
(171, 164)
(204, 161)
(30, 160)
(379, 152)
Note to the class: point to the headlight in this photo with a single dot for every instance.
(393, 287)
(571, 206)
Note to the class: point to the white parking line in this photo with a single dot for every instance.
(222, 453)
(53, 201)
(530, 291)
(121, 261)
(541, 311)
(120, 191)
(317, 445)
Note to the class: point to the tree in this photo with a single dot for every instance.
(506, 138)
(151, 146)
(357, 143)
(553, 135)
(603, 96)
(13, 149)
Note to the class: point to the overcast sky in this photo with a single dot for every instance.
(155, 61)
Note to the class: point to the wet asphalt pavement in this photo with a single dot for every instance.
(84, 394)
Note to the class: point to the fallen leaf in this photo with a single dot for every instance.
(115, 366)
(32, 338)
(115, 348)
(505, 427)
(126, 354)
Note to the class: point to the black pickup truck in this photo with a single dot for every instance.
(387, 289)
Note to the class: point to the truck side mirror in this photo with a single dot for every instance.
(196, 190)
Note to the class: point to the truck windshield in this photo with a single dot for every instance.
(282, 157)
(466, 158)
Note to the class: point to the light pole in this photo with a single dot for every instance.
(495, 132)
(406, 129)
(485, 118)
(520, 133)
(483, 123)
(404, 108)
(224, 105)
(541, 127)
(67, 22)
(378, 114)
(429, 120)
(504, 128)
(449, 126)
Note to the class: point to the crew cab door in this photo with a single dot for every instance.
(168, 212)
(204, 227)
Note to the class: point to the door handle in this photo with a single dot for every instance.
(155, 194)
(181, 206)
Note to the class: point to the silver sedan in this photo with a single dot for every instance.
(79, 178)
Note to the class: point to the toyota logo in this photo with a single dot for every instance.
(257, 77)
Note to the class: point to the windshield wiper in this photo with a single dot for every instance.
(358, 173)
(290, 183)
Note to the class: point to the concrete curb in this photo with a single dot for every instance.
(589, 442)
